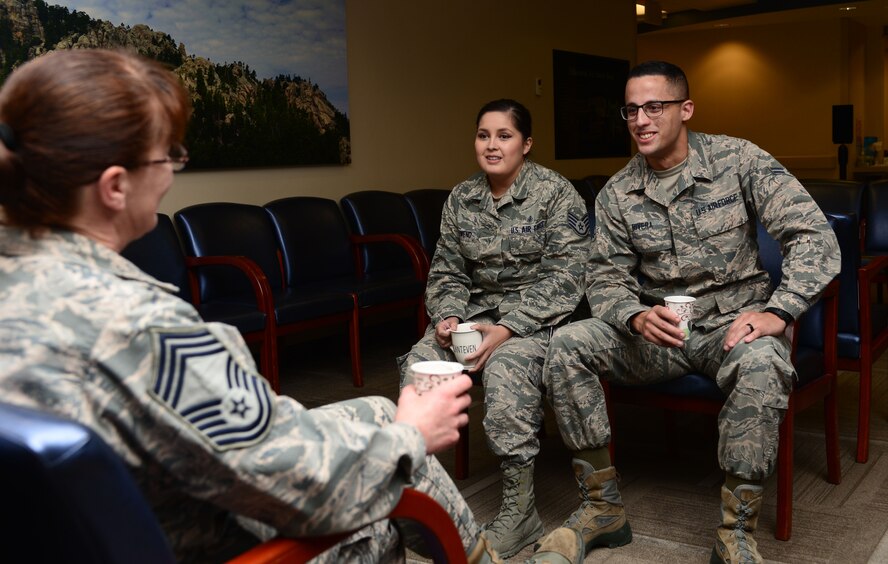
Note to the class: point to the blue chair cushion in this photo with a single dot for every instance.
(67, 497)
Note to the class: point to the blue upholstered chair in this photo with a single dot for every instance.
(318, 252)
(840, 197)
(427, 205)
(875, 209)
(159, 253)
(814, 357)
(228, 229)
(863, 324)
(375, 213)
(67, 497)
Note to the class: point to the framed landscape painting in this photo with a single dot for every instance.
(268, 78)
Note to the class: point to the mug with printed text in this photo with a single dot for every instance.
(465, 341)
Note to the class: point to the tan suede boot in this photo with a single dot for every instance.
(740, 510)
(561, 546)
(600, 519)
(483, 553)
(517, 524)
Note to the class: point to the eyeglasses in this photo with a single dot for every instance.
(651, 109)
(178, 157)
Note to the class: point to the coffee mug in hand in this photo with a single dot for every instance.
(683, 306)
(427, 374)
(465, 341)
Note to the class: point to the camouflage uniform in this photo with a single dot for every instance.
(517, 262)
(87, 335)
(699, 240)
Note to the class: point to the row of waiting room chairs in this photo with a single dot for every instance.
(863, 318)
(298, 263)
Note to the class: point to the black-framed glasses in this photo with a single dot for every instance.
(651, 109)
(178, 157)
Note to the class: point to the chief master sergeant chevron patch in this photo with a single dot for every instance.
(197, 379)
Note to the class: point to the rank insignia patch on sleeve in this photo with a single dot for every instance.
(579, 224)
(196, 377)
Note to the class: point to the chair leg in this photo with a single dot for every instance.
(831, 431)
(784, 476)
(461, 463)
(268, 362)
(863, 409)
(354, 345)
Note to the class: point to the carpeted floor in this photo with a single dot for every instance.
(670, 478)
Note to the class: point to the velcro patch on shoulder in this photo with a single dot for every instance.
(580, 224)
(197, 378)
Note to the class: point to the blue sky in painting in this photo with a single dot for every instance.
(296, 37)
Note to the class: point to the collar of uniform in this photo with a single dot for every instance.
(698, 157)
(519, 189)
(696, 168)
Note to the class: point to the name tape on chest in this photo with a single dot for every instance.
(197, 378)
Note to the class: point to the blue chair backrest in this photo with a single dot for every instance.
(846, 228)
(427, 206)
(313, 238)
(159, 253)
(373, 212)
(67, 497)
(771, 256)
(876, 214)
(230, 229)
(837, 196)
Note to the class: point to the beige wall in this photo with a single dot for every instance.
(776, 85)
(418, 72)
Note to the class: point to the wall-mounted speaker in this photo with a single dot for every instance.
(843, 124)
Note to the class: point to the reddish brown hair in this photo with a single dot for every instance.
(74, 113)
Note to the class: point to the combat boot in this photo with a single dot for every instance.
(482, 552)
(561, 546)
(601, 519)
(740, 511)
(517, 524)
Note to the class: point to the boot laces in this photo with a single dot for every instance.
(509, 514)
(744, 551)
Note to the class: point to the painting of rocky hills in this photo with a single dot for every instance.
(257, 86)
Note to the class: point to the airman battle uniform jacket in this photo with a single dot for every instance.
(700, 238)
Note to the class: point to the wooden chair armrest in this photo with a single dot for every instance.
(257, 278)
(441, 535)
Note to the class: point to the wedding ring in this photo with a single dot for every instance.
(751, 328)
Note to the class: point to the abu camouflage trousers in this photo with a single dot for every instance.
(757, 379)
(384, 541)
(513, 396)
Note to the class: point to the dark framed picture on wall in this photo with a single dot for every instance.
(588, 92)
(268, 79)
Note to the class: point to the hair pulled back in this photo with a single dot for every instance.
(519, 114)
(68, 116)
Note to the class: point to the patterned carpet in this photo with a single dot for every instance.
(669, 480)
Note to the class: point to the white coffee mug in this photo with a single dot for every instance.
(465, 341)
(427, 374)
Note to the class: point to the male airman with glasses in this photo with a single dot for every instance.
(680, 219)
